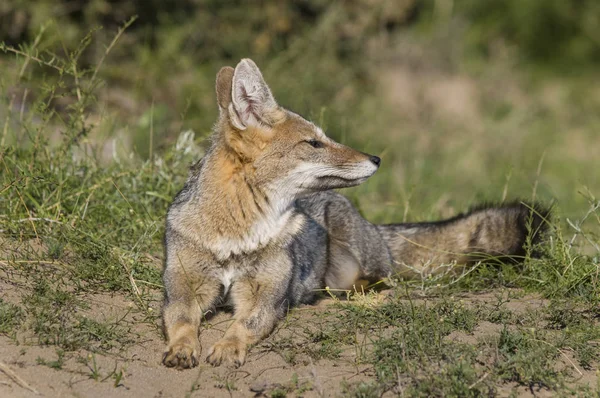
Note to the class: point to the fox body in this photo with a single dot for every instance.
(257, 222)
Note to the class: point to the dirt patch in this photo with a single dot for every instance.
(483, 329)
(137, 371)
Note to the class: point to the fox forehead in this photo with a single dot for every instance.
(296, 125)
(310, 126)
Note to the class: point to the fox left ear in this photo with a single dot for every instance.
(252, 103)
(223, 87)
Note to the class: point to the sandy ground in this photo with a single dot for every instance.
(144, 376)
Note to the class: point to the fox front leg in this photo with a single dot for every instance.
(260, 302)
(188, 296)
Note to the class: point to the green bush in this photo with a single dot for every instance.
(563, 33)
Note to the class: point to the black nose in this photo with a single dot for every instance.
(376, 160)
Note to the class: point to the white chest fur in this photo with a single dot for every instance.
(262, 233)
(227, 277)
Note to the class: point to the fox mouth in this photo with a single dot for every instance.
(323, 177)
(331, 182)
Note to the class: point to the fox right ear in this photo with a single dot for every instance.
(223, 87)
(252, 101)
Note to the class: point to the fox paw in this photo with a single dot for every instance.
(227, 350)
(183, 354)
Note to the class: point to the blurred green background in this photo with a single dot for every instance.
(465, 100)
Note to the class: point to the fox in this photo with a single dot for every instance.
(259, 226)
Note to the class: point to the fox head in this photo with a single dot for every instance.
(276, 149)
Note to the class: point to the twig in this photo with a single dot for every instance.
(571, 362)
(30, 219)
(40, 219)
(111, 45)
(13, 376)
(34, 58)
(562, 353)
(482, 378)
(537, 176)
(5, 130)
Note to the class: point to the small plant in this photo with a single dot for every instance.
(93, 367)
(56, 364)
(118, 377)
(11, 317)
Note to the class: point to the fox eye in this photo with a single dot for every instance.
(315, 143)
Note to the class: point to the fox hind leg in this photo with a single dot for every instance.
(346, 272)
(343, 268)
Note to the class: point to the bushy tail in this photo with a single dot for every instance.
(483, 233)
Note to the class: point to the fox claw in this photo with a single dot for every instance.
(182, 355)
(232, 351)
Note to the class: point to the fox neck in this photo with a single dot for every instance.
(240, 215)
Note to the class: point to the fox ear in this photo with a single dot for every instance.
(252, 101)
(223, 87)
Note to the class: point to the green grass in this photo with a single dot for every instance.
(85, 185)
(10, 317)
(407, 344)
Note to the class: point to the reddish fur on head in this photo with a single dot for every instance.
(270, 147)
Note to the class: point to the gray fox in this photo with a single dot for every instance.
(257, 222)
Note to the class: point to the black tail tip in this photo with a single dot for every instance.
(532, 221)
(534, 224)
(536, 216)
